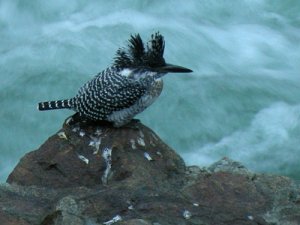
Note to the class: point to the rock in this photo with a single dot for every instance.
(74, 157)
(228, 165)
(88, 175)
(136, 222)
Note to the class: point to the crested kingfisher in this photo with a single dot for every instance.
(128, 87)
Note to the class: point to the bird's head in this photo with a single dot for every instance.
(149, 57)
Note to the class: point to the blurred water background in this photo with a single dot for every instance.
(242, 101)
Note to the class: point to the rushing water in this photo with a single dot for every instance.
(242, 101)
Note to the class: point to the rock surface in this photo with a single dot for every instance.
(90, 175)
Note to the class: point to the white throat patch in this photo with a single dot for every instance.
(126, 72)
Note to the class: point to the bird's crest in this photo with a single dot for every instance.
(136, 55)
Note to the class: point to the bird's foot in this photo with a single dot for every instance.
(77, 119)
(132, 124)
(74, 119)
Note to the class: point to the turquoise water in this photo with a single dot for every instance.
(242, 101)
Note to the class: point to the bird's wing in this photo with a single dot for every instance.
(124, 96)
(115, 96)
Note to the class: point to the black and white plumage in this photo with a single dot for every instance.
(126, 88)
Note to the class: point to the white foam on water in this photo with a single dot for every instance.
(270, 142)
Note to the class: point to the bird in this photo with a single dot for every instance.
(126, 88)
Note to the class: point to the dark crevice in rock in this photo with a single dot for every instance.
(53, 167)
(52, 218)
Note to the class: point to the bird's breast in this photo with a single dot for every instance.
(125, 115)
(156, 88)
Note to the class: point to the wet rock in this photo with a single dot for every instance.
(96, 174)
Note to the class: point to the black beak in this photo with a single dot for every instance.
(169, 68)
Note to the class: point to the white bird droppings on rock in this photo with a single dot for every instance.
(69, 120)
(81, 133)
(142, 134)
(98, 132)
(187, 214)
(83, 158)
(107, 157)
(62, 135)
(113, 220)
(95, 142)
(250, 217)
(147, 156)
(141, 141)
(75, 129)
(132, 144)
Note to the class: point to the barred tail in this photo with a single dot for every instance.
(60, 104)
